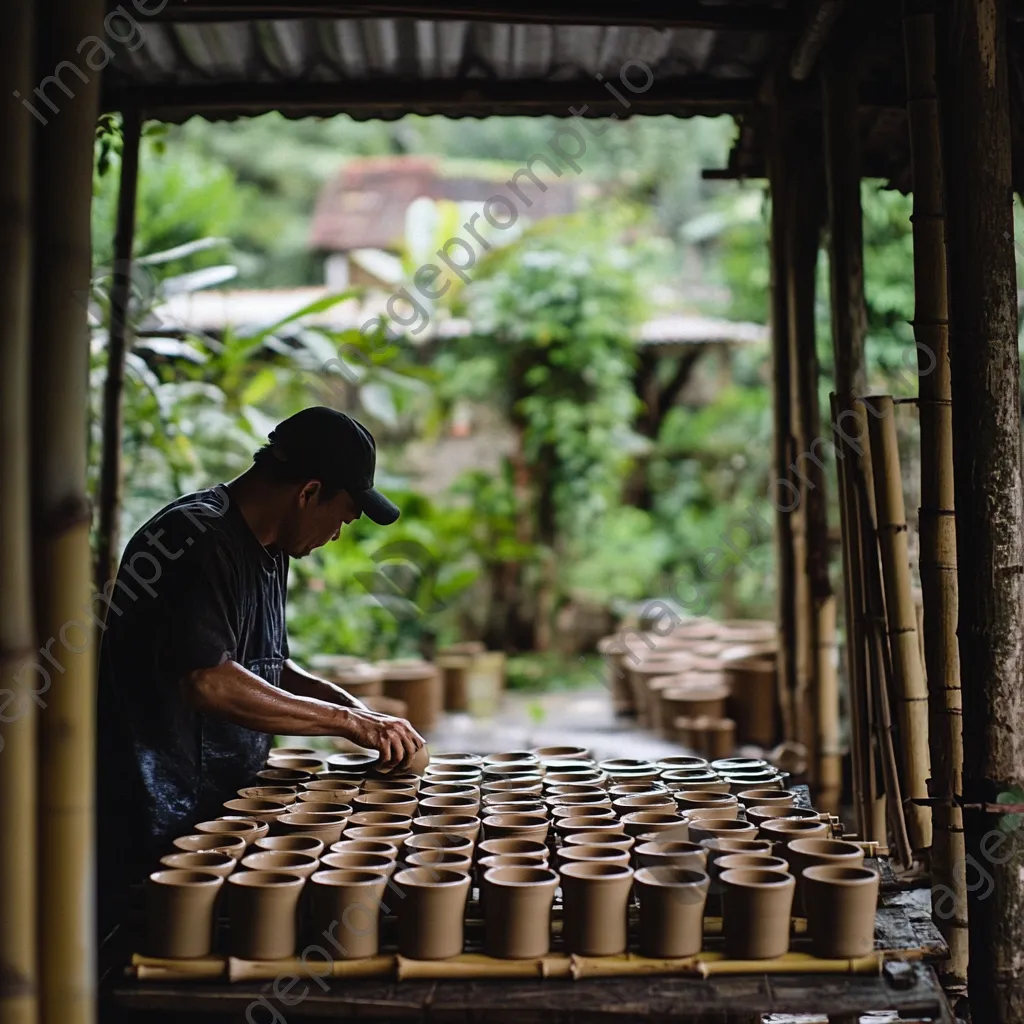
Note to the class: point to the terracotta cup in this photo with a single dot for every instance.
(527, 784)
(637, 789)
(379, 818)
(449, 789)
(671, 854)
(431, 913)
(179, 912)
(332, 797)
(766, 797)
(681, 761)
(353, 761)
(721, 828)
(444, 859)
(383, 800)
(449, 805)
(297, 764)
(320, 825)
(585, 776)
(260, 810)
(662, 802)
(504, 860)
(601, 854)
(408, 785)
(365, 846)
(459, 824)
(841, 904)
(515, 808)
(396, 835)
(806, 853)
(345, 904)
(756, 910)
(766, 861)
(594, 902)
(782, 831)
(619, 840)
(561, 753)
(671, 903)
(512, 846)
(565, 827)
(261, 912)
(220, 864)
(512, 757)
(640, 822)
(517, 924)
(260, 828)
(283, 861)
(702, 800)
(233, 846)
(291, 844)
(603, 813)
(247, 828)
(343, 787)
(276, 776)
(283, 794)
(378, 863)
(439, 841)
(276, 753)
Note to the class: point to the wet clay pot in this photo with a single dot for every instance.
(594, 902)
(431, 915)
(583, 777)
(663, 802)
(247, 828)
(382, 800)
(260, 828)
(297, 764)
(641, 822)
(782, 831)
(400, 782)
(220, 864)
(395, 835)
(561, 753)
(841, 904)
(599, 798)
(671, 854)
(706, 781)
(281, 776)
(516, 826)
(345, 905)
(765, 861)
(308, 845)
(439, 841)
(598, 813)
(466, 825)
(261, 911)
(449, 789)
(318, 824)
(365, 846)
(681, 762)
(565, 827)
(721, 828)
(723, 847)
(344, 789)
(278, 752)
(767, 797)
(259, 810)
(756, 910)
(532, 848)
(179, 912)
(619, 840)
(333, 799)
(300, 864)
(807, 853)
(444, 859)
(517, 924)
(515, 808)
(671, 903)
(525, 784)
(321, 806)
(601, 854)
(233, 846)
(449, 805)
(511, 757)
(760, 813)
(281, 794)
(377, 863)
(635, 789)
(701, 800)
(379, 818)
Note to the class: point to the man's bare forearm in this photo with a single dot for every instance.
(297, 680)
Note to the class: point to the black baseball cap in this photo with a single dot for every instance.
(337, 450)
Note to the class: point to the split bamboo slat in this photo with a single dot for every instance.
(18, 963)
(62, 561)
(830, 755)
(911, 691)
(936, 517)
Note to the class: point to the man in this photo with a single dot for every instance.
(195, 674)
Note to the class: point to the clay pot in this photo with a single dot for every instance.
(323, 806)
(589, 811)
(754, 780)
(407, 785)
(565, 827)
(279, 752)
(455, 675)
(443, 859)
(318, 824)
(281, 776)
(640, 822)
(376, 863)
(517, 925)
(561, 753)
(767, 797)
(841, 904)
(731, 765)
(331, 798)
(449, 805)
(462, 777)
(450, 789)
(598, 799)
(458, 824)
(511, 757)
(697, 800)
(782, 831)
(671, 910)
(179, 912)
(381, 800)
(526, 784)
(760, 813)
(261, 827)
(618, 840)
(431, 915)
(439, 841)
(520, 807)
(346, 904)
(709, 812)
(348, 778)
(365, 846)
(233, 846)
(806, 853)
(301, 864)
(601, 854)
(220, 864)
(752, 701)
(584, 777)
(663, 802)
(724, 828)
(521, 771)
(342, 789)
(722, 846)
(308, 845)
(594, 901)
(418, 684)
(358, 678)
(756, 910)
(680, 761)
(516, 826)
(707, 781)
(395, 835)
(671, 854)
(503, 860)
(531, 848)
(636, 789)
(297, 764)
(261, 911)
(379, 818)
(259, 810)
(765, 861)
(570, 766)
(462, 756)
(281, 794)
(247, 828)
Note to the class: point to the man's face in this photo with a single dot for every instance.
(313, 522)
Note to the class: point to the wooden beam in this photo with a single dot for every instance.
(974, 98)
(814, 36)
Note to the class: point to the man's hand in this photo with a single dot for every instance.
(394, 738)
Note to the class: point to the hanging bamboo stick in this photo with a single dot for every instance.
(911, 696)
(18, 966)
(936, 516)
(62, 562)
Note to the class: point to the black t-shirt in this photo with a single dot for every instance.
(195, 588)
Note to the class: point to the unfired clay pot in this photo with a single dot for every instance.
(577, 777)
(346, 904)
(296, 764)
(756, 910)
(291, 844)
(782, 831)
(279, 752)
(318, 824)
(343, 788)
(249, 829)
(707, 781)
(321, 806)
(526, 784)
(597, 813)
(233, 846)
(765, 861)
(515, 808)
(281, 776)
(601, 854)
(671, 854)
(767, 797)
(443, 859)
(617, 839)
(671, 910)
(431, 915)
(282, 794)
(562, 753)
(680, 761)
(724, 828)
(399, 782)
(841, 904)
(640, 822)
(635, 789)
(439, 841)
(565, 827)
(516, 826)
(594, 901)
(220, 864)
(596, 799)
(449, 789)
(333, 798)
(663, 802)
(379, 818)
(459, 824)
(517, 924)
(301, 864)
(378, 863)
(261, 828)
(179, 912)
(806, 853)
(513, 770)
(701, 800)
(760, 813)
(262, 909)
(449, 805)
(396, 835)
(260, 810)
(464, 757)
(365, 846)
(381, 800)
(512, 757)
(533, 848)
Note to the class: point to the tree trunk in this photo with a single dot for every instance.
(986, 459)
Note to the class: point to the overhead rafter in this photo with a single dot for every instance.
(813, 37)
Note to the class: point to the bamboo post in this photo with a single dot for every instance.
(117, 343)
(936, 516)
(18, 965)
(911, 696)
(61, 558)
(974, 90)
(830, 758)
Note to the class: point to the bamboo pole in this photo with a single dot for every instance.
(830, 757)
(936, 517)
(18, 965)
(117, 344)
(62, 562)
(911, 696)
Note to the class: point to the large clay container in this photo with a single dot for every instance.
(841, 904)
(455, 675)
(671, 854)
(640, 822)
(220, 864)
(233, 846)
(431, 913)
(720, 734)
(807, 853)
(377, 863)
(594, 902)
(616, 679)
(262, 910)
(439, 841)
(516, 826)
(308, 845)
(533, 848)
(723, 828)
(247, 828)
(753, 699)
(671, 903)
(179, 912)
(260, 810)
(326, 827)
(360, 679)
(444, 859)
(381, 800)
(345, 904)
(617, 839)
(458, 824)
(767, 797)
(602, 854)
(365, 846)
(517, 924)
(701, 800)
(756, 910)
(301, 864)
(418, 684)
